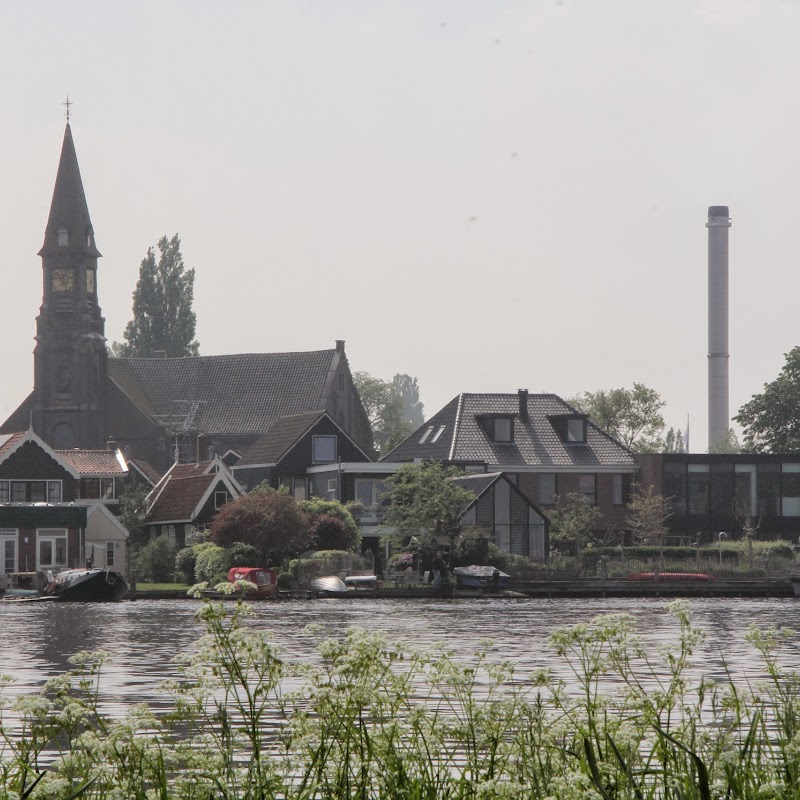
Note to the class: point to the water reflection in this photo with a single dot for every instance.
(37, 639)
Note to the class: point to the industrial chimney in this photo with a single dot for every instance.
(718, 413)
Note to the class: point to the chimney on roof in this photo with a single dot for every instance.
(202, 448)
(340, 345)
(111, 444)
(523, 405)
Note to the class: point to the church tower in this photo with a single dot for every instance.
(70, 355)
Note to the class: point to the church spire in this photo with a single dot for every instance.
(69, 228)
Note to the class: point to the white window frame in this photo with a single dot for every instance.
(314, 458)
(110, 548)
(9, 535)
(55, 491)
(52, 535)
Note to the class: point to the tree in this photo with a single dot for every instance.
(270, 520)
(572, 520)
(771, 420)
(132, 503)
(331, 525)
(424, 502)
(393, 407)
(648, 515)
(163, 319)
(727, 442)
(748, 519)
(631, 416)
(673, 441)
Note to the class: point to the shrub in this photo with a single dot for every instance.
(155, 561)
(212, 563)
(285, 581)
(185, 565)
(241, 554)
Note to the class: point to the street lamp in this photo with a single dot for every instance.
(722, 535)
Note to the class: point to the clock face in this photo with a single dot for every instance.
(90, 281)
(63, 280)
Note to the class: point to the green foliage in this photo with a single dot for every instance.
(185, 562)
(376, 721)
(331, 525)
(393, 408)
(648, 515)
(673, 441)
(474, 546)
(771, 420)
(132, 502)
(271, 521)
(726, 443)
(285, 581)
(632, 416)
(163, 318)
(572, 521)
(212, 563)
(155, 561)
(424, 502)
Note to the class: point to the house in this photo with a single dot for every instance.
(55, 507)
(187, 498)
(283, 455)
(709, 494)
(545, 446)
(155, 407)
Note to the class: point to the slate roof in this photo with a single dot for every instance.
(237, 394)
(179, 498)
(94, 462)
(270, 447)
(536, 443)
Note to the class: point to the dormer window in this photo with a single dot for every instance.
(571, 428)
(498, 429)
(63, 236)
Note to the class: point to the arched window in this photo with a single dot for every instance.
(63, 436)
(63, 236)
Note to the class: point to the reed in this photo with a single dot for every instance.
(377, 720)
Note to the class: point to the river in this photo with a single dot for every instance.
(37, 639)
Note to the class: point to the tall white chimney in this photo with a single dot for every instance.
(718, 356)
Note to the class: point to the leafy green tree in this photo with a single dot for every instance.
(163, 318)
(648, 515)
(331, 525)
(727, 442)
(771, 420)
(269, 520)
(632, 416)
(132, 503)
(155, 561)
(572, 521)
(425, 503)
(673, 441)
(393, 407)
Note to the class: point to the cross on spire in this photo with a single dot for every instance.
(66, 105)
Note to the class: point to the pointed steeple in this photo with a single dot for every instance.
(69, 228)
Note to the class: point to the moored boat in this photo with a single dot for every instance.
(794, 577)
(87, 585)
(480, 577)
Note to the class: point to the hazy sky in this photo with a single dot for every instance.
(487, 195)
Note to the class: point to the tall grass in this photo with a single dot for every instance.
(375, 720)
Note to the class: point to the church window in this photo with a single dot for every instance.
(63, 236)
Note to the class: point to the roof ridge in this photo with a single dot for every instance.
(221, 355)
(456, 424)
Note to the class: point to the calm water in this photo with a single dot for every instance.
(36, 639)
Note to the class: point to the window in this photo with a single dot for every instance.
(587, 487)
(8, 550)
(370, 492)
(5, 491)
(63, 236)
(547, 489)
(106, 488)
(38, 491)
(616, 487)
(19, 492)
(790, 505)
(171, 533)
(90, 488)
(503, 429)
(300, 490)
(53, 491)
(220, 498)
(576, 430)
(438, 434)
(324, 449)
(426, 435)
(331, 491)
(109, 554)
(286, 483)
(52, 549)
(699, 488)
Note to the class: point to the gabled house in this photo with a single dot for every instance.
(545, 446)
(283, 455)
(45, 523)
(187, 498)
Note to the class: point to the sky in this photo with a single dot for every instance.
(485, 195)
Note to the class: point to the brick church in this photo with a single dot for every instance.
(155, 408)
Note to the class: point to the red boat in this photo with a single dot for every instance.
(264, 578)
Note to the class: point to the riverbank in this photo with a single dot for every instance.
(778, 588)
